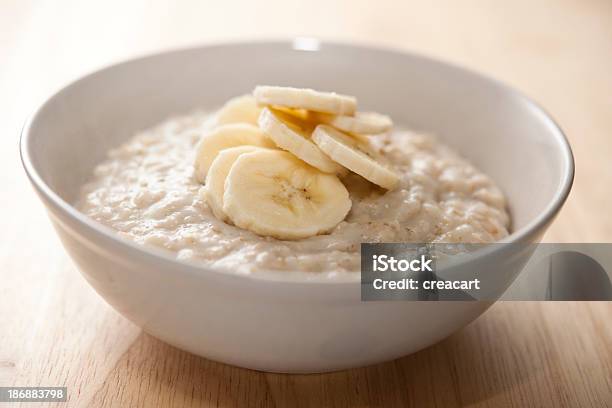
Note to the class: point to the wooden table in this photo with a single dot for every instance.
(55, 330)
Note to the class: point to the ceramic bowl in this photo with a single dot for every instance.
(280, 324)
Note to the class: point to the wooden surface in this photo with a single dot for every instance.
(54, 330)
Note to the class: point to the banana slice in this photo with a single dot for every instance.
(241, 109)
(303, 98)
(273, 193)
(368, 123)
(223, 137)
(213, 191)
(292, 133)
(354, 155)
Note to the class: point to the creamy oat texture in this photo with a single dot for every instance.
(147, 192)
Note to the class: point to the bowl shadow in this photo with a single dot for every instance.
(480, 363)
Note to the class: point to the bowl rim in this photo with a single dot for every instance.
(522, 235)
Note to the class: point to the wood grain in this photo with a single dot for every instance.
(56, 331)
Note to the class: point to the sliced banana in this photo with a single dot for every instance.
(291, 133)
(303, 98)
(213, 191)
(354, 155)
(368, 123)
(273, 193)
(223, 137)
(241, 109)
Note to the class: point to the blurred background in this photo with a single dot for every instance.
(55, 330)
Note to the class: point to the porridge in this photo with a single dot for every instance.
(148, 191)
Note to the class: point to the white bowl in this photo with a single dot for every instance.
(280, 324)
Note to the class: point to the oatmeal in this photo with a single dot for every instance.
(147, 191)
